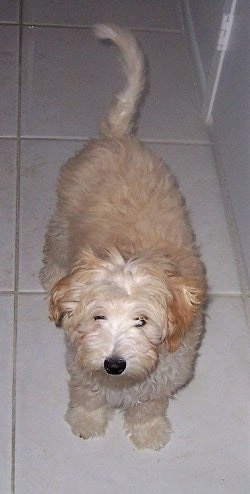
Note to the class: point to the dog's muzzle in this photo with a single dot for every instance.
(114, 365)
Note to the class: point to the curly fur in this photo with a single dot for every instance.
(123, 274)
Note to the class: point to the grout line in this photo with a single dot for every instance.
(9, 23)
(235, 294)
(57, 138)
(90, 27)
(14, 355)
(8, 137)
(176, 141)
(86, 138)
(31, 292)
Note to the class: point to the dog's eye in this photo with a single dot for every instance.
(142, 320)
(96, 318)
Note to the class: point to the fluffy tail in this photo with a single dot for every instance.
(120, 119)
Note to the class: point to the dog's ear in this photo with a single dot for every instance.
(187, 295)
(67, 292)
(63, 300)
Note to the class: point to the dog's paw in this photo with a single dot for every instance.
(150, 435)
(87, 424)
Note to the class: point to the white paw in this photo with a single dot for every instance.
(150, 435)
(87, 424)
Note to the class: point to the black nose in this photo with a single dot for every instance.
(114, 365)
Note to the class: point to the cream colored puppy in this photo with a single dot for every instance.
(123, 273)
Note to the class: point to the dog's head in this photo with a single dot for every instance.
(119, 314)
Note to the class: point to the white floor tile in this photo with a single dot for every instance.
(195, 170)
(171, 110)
(7, 213)
(163, 14)
(69, 80)
(208, 451)
(8, 80)
(6, 367)
(9, 10)
(40, 165)
(216, 426)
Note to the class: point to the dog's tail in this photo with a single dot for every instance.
(120, 119)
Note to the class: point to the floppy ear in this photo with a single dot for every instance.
(63, 300)
(187, 295)
(67, 292)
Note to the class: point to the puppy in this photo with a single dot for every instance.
(123, 274)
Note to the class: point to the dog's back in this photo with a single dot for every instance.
(116, 192)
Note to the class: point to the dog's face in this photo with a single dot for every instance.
(119, 313)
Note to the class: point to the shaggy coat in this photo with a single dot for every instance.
(123, 274)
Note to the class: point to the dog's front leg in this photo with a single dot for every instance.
(88, 414)
(147, 425)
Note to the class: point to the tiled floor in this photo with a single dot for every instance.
(52, 94)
